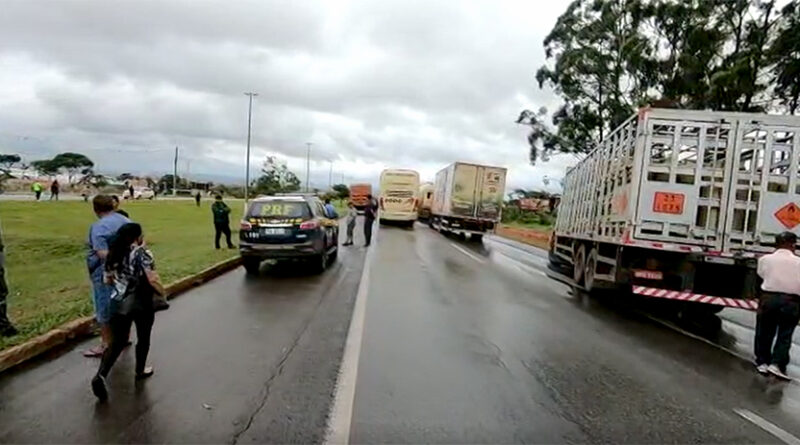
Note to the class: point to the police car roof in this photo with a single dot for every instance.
(286, 197)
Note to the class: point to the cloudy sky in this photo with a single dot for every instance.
(372, 84)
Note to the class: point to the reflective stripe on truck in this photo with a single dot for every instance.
(696, 298)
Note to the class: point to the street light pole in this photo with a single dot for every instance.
(249, 120)
(308, 166)
(330, 176)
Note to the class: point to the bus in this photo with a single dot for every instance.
(398, 196)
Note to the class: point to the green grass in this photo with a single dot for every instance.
(535, 226)
(46, 254)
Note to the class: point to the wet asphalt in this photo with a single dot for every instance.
(468, 342)
(462, 343)
(238, 360)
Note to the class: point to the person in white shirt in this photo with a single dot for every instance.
(779, 308)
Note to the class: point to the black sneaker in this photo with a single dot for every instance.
(99, 388)
(8, 331)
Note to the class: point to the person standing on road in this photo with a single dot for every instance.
(220, 210)
(54, 189)
(37, 189)
(6, 328)
(130, 192)
(131, 271)
(115, 198)
(370, 214)
(197, 199)
(352, 214)
(100, 234)
(779, 306)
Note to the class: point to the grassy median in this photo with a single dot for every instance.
(46, 254)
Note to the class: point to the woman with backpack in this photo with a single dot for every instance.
(137, 295)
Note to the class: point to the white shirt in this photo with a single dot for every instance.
(780, 271)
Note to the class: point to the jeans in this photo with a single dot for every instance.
(368, 229)
(221, 228)
(778, 315)
(120, 332)
(350, 227)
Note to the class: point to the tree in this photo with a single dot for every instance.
(73, 163)
(165, 183)
(608, 57)
(8, 161)
(46, 167)
(276, 178)
(785, 55)
(342, 191)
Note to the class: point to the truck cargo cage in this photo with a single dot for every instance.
(701, 180)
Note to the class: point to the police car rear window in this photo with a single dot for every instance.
(284, 209)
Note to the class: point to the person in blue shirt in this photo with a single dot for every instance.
(330, 211)
(100, 235)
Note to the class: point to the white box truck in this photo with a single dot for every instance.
(679, 204)
(468, 199)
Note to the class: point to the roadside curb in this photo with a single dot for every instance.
(84, 326)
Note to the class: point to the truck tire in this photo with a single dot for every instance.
(589, 270)
(251, 265)
(579, 265)
(476, 237)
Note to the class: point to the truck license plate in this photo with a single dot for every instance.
(648, 274)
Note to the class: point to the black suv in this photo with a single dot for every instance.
(285, 227)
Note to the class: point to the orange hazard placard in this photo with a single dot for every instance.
(671, 203)
(789, 215)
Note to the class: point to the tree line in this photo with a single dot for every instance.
(606, 58)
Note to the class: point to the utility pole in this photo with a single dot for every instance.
(249, 120)
(175, 173)
(308, 166)
(330, 176)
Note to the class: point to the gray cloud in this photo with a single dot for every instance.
(372, 84)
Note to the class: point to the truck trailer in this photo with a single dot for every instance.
(358, 195)
(679, 205)
(468, 199)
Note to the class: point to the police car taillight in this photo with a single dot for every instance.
(309, 225)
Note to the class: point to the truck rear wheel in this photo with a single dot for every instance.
(588, 273)
(579, 265)
(476, 237)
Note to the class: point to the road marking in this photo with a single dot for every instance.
(768, 426)
(341, 414)
(468, 253)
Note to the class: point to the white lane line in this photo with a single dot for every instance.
(768, 426)
(341, 414)
(468, 253)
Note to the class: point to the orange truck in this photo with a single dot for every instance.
(358, 195)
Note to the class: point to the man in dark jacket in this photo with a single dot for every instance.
(221, 221)
(6, 328)
(370, 214)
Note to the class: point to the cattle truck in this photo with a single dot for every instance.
(679, 205)
(468, 199)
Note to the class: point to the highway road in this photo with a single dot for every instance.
(439, 341)
(238, 360)
(472, 343)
